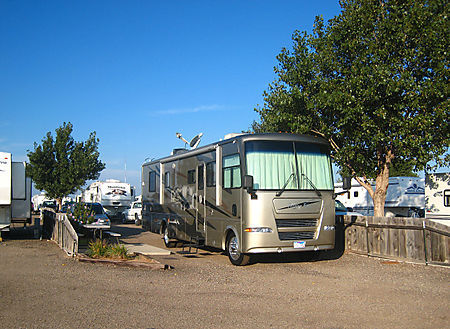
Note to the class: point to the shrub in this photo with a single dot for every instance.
(118, 251)
(98, 248)
(101, 249)
(82, 214)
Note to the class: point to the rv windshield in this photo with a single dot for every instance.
(271, 163)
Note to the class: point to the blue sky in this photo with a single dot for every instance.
(137, 72)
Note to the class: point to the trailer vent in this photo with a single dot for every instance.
(296, 223)
(295, 235)
(178, 151)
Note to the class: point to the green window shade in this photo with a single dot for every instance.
(231, 171)
(271, 170)
(314, 165)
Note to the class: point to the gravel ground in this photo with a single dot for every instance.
(42, 288)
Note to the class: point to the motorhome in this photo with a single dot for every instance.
(113, 195)
(405, 197)
(15, 192)
(437, 196)
(247, 194)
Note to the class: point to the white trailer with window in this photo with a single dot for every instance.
(15, 192)
(437, 196)
(248, 194)
(113, 195)
(405, 197)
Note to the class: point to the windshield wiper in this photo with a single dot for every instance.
(285, 184)
(312, 185)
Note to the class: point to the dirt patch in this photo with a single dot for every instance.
(138, 260)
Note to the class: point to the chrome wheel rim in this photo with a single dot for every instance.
(166, 236)
(233, 248)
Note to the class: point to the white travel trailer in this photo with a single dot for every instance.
(437, 196)
(15, 192)
(247, 194)
(39, 200)
(405, 197)
(112, 194)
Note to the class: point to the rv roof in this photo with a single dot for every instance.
(243, 138)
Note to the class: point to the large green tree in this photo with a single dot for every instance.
(374, 82)
(62, 165)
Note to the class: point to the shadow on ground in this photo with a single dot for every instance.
(19, 232)
(127, 231)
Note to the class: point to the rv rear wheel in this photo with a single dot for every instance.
(166, 236)
(234, 255)
(136, 219)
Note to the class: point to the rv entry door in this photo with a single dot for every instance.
(200, 200)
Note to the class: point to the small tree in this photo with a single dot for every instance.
(62, 166)
(374, 82)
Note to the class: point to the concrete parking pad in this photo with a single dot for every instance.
(146, 249)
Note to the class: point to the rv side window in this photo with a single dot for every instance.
(446, 198)
(167, 179)
(231, 171)
(152, 182)
(200, 183)
(191, 177)
(211, 174)
(355, 194)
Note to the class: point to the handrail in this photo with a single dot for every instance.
(63, 233)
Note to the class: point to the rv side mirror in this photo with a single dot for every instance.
(248, 183)
(346, 183)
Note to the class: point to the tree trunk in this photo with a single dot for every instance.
(379, 198)
(59, 202)
(382, 183)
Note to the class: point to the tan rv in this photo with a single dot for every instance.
(248, 194)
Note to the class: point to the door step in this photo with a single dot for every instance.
(194, 243)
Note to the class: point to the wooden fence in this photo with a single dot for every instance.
(416, 240)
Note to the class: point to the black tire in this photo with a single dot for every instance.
(232, 249)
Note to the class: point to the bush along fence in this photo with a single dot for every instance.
(416, 240)
(58, 228)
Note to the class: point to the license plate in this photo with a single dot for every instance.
(299, 244)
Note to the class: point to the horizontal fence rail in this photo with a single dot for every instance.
(416, 240)
(58, 228)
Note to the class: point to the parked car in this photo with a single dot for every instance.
(49, 204)
(133, 213)
(96, 208)
(67, 206)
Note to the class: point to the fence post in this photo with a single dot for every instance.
(424, 242)
(367, 237)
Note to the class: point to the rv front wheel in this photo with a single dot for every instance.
(234, 255)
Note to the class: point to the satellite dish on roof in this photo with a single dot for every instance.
(181, 137)
(195, 141)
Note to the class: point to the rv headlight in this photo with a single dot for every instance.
(259, 229)
(328, 228)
